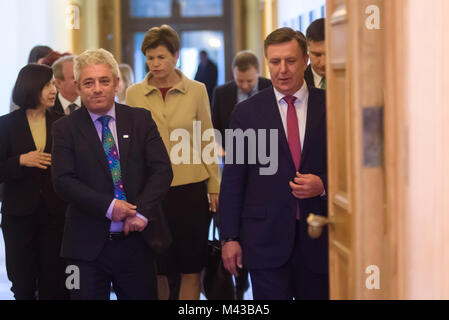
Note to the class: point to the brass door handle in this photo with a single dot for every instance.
(316, 224)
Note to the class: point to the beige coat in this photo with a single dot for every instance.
(184, 103)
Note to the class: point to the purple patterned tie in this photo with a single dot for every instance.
(293, 137)
(110, 149)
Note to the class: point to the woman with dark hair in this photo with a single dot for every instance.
(32, 214)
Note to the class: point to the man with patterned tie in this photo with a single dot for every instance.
(315, 74)
(111, 166)
(67, 99)
(263, 217)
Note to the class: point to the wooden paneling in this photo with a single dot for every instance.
(356, 190)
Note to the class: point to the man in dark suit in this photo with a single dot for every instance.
(111, 166)
(315, 74)
(207, 73)
(263, 214)
(67, 99)
(246, 83)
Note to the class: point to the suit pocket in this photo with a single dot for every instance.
(254, 212)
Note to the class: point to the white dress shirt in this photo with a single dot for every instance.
(66, 103)
(302, 97)
(316, 79)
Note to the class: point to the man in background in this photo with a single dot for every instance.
(315, 74)
(207, 73)
(247, 82)
(67, 99)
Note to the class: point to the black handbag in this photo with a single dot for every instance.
(159, 234)
(216, 281)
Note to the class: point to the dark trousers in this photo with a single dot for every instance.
(126, 263)
(291, 281)
(33, 263)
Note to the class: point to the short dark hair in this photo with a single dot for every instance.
(29, 84)
(315, 31)
(161, 36)
(285, 34)
(38, 52)
(245, 59)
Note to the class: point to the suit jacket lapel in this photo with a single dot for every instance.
(232, 97)
(87, 129)
(124, 136)
(314, 114)
(48, 140)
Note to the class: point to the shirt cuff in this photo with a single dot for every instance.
(138, 215)
(111, 207)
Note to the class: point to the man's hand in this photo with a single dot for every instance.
(36, 159)
(122, 210)
(231, 254)
(306, 186)
(132, 224)
(213, 198)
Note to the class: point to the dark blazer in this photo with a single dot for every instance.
(25, 187)
(224, 101)
(208, 74)
(81, 175)
(58, 106)
(308, 77)
(260, 210)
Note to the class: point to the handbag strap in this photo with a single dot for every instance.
(215, 226)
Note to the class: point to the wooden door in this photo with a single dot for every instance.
(358, 244)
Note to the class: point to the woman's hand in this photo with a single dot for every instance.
(213, 202)
(36, 159)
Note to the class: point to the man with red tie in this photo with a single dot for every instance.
(263, 217)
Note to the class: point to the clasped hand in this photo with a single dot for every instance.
(126, 211)
(35, 159)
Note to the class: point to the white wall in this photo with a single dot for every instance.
(24, 24)
(289, 12)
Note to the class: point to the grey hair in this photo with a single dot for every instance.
(95, 56)
(57, 66)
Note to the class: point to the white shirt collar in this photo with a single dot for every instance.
(65, 103)
(95, 116)
(316, 78)
(300, 95)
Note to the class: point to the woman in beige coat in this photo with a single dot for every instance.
(180, 106)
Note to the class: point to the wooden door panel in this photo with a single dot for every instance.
(356, 177)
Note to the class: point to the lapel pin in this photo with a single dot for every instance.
(125, 136)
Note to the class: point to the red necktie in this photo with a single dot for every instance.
(293, 137)
(294, 140)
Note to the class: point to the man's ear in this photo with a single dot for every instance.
(58, 84)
